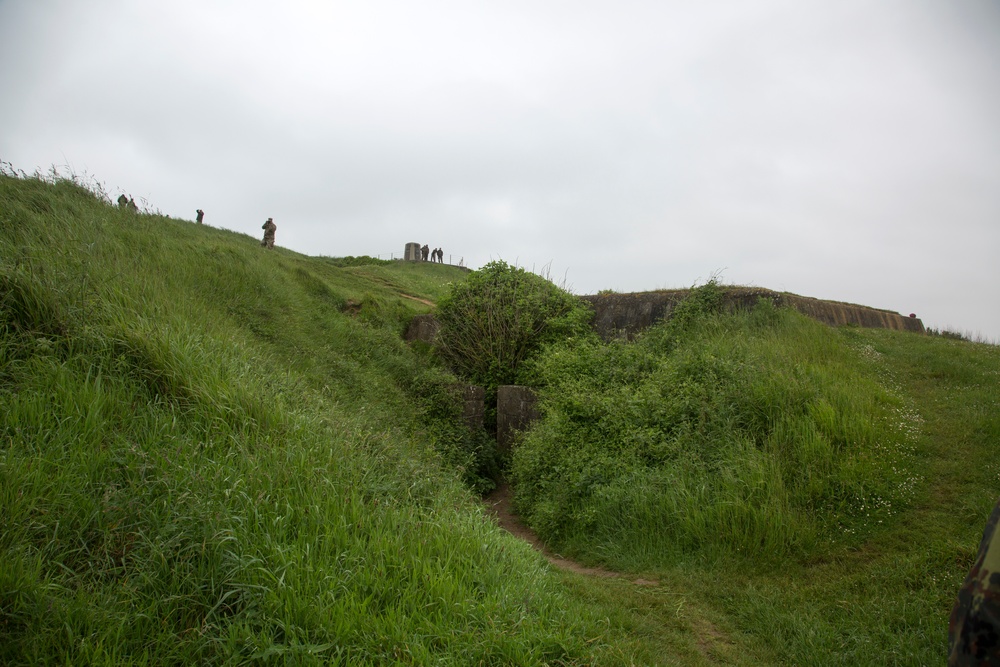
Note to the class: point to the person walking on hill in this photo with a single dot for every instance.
(201, 216)
(269, 228)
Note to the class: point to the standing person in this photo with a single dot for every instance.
(131, 205)
(440, 256)
(201, 216)
(269, 228)
(122, 201)
(424, 251)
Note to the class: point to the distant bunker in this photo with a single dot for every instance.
(625, 315)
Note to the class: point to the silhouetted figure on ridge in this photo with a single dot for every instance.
(269, 228)
(201, 216)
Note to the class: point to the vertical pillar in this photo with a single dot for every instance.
(516, 411)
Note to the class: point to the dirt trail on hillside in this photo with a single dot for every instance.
(416, 298)
(499, 505)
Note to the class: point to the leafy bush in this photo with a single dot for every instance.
(470, 452)
(499, 317)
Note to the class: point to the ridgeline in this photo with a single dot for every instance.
(214, 453)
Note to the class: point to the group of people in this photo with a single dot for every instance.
(436, 255)
(269, 227)
(127, 202)
(426, 254)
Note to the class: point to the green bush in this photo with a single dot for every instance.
(748, 433)
(470, 452)
(500, 317)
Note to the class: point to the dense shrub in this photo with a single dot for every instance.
(499, 317)
(746, 433)
(470, 452)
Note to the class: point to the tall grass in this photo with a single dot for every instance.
(214, 454)
(719, 435)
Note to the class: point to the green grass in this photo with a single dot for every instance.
(212, 453)
(821, 492)
(759, 434)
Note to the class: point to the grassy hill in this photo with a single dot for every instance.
(213, 453)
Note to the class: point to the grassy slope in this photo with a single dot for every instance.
(887, 600)
(212, 453)
(881, 598)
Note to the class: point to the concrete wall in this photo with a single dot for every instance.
(473, 404)
(626, 315)
(423, 328)
(838, 314)
(516, 410)
(411, 252)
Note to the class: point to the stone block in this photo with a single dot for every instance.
(516, 410)
(423, 328)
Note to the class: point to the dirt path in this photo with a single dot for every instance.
(499, 504)
(416, 298)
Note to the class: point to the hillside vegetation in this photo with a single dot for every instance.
(757, 434)
(212, 453)
(825, 488)
(215, 453)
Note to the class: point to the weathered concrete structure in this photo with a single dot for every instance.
(473, 404)
(516, 410)
(412, 252)
(423, 328)
(625, 315)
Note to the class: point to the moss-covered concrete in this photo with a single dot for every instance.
(627, 314)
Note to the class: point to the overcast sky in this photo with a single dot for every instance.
(845, 150)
